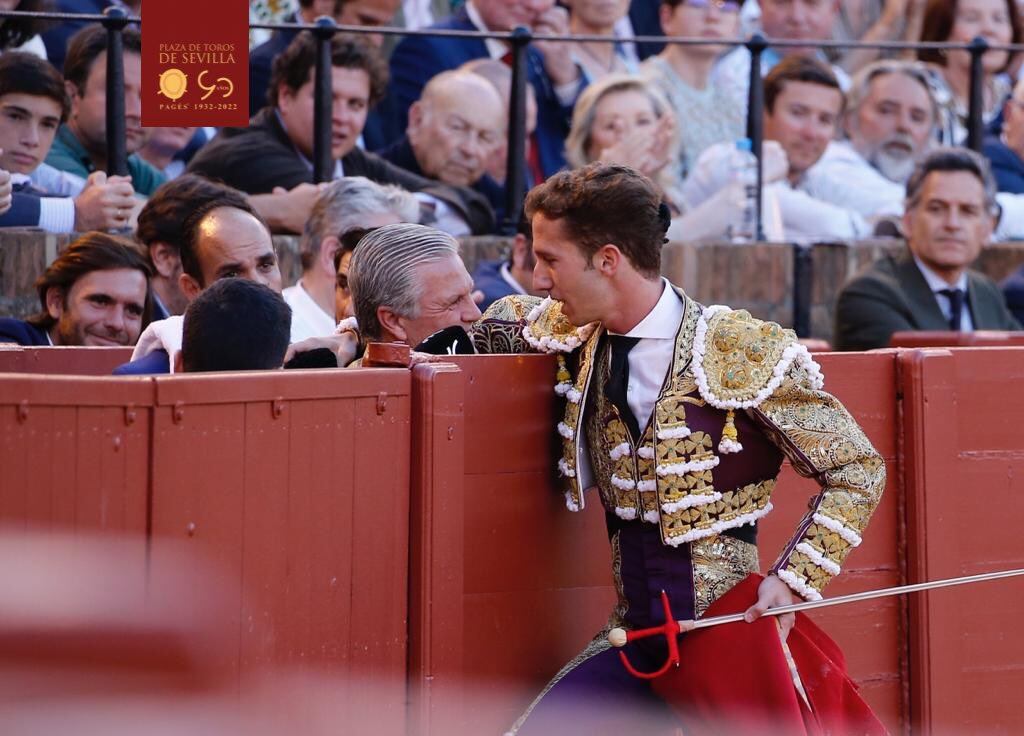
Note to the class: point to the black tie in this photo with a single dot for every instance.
(956, 307)
(618, 380)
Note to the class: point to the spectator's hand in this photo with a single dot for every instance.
(297, 203)
(773, 593)
(106, 203)
(344, 347)
(776, 163)
(557, 58)
(641, 150)
(6, 191)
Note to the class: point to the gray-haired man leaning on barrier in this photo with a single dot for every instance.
(347, 204)
(408, 282)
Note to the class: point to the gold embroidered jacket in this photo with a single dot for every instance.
(724, 361)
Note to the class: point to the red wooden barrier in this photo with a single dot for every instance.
(506, 585)
(964, 461)
(872, 634)
(76, 361)
(979, 338)
(74, 452)
(296, 484)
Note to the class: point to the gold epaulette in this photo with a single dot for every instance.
(548, 330)
(740, 361)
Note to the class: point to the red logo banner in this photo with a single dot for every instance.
(195, 63)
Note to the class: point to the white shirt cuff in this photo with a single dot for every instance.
(57, 214)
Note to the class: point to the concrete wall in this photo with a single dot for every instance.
(757, 277)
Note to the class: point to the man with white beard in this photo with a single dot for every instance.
(890, 124)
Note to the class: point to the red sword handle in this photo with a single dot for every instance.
(670, 630)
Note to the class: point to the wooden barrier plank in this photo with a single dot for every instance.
(74, 452)
(77, 361)
(303, 500)
(964, 459)
(526, 557)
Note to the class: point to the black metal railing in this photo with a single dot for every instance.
(324, 29)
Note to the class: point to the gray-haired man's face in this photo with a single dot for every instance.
(894, 125)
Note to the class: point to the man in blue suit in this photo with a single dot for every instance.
(555, 77)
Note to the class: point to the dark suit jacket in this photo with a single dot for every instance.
(400, 153)
(261, 59)
(891, 295)
(56, 37)
(21, 332)
(1007, 166)
(1013, 290)
(644, 16)
(418, 58)
(487, 278)
(260, 157)
(155, 363)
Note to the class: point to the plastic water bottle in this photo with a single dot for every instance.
(743, 221)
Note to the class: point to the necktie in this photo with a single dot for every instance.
(956, 306)
(618, 380)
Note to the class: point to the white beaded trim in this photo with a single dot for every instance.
(574, 395)
(719, 526)
(562, 388)
(549, 344)
(620, 450)
(652, 517)
(726, 446)
(691, 466)
(674, 433)
(565, 470)
(625, 484)
(696, 499)
(818, 558)
(349, 323)
(625, 513)
(798, 585)
(565, 430)
(794, 353)
(645, 452)
(852, 537)
(570, 504)
(647, 485)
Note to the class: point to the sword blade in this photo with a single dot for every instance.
(855, 597)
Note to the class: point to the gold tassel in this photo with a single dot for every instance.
(730, 438)
(563, 372)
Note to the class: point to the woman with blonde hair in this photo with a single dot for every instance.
(622, 119)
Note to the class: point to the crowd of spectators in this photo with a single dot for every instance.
(858, 142)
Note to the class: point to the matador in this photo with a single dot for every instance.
(681, 416)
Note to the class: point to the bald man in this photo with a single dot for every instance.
(453, 130)
(222, 238)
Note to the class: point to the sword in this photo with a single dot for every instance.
(620, 637)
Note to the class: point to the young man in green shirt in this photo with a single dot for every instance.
(80, 146)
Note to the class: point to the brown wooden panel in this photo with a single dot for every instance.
(872, 635)
(297, 485)
(75, 361)
(74, 452)
(938, 339)
(964, 461)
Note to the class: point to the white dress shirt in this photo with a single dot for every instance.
(842, 175)
(936, 283)
(650, 359)
(649, 363)
(308, 319)
(805, 217)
